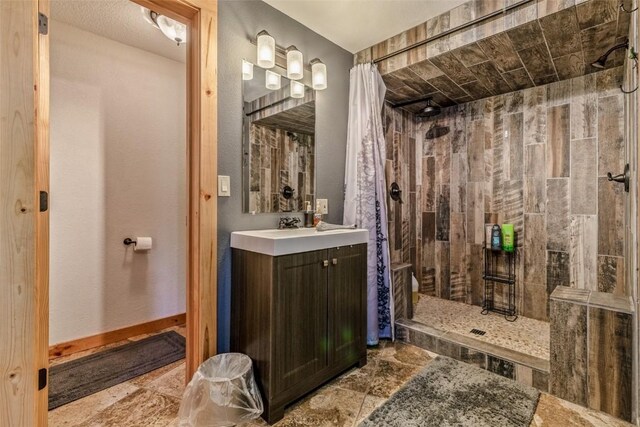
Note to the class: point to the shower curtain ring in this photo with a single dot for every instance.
(628, 91)
(625, 10)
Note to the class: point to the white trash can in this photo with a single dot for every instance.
(222, 392)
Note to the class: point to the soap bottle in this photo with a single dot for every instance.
(317, 216)
(508, 237)
(496, 238)
(308, 216)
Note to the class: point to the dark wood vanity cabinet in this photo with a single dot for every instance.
(300, 317)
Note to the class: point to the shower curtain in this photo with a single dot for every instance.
(365, 192)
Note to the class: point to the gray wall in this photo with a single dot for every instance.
(238, 22)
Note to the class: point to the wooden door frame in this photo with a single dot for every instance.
(201, 16)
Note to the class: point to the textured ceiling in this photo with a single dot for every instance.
(119, 20)
(357, 24)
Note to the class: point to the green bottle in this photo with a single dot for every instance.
(507, 237)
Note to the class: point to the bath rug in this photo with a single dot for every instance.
(87, 375)
(451, 393)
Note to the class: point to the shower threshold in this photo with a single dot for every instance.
(518, 350)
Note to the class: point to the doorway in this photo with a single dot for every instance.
(24, 47)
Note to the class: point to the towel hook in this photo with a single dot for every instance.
(625, 10)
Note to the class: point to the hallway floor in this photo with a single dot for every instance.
(525, 335)
(153, 399)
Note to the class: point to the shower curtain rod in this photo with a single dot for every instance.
(452, 30)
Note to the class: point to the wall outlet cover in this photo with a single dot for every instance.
(323, 206)
(224, 186)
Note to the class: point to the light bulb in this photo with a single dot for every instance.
(272, 80)
(174, 30)
(247, 70)
(295, 63)
(266, 50)
(318, 75)
(297, 89)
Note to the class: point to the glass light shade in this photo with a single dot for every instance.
(272, 80)
(149, 16)
(295, 63)
(247, 70)
(174, 30)
(266, 50)
(319, 75)
(297, 89)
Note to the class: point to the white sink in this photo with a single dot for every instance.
(291, 241)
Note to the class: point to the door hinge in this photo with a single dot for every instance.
(43, 24)
(42, 378)
(44, 201)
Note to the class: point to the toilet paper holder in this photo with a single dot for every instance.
(129, 241)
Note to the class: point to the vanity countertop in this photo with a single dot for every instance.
(290, 241)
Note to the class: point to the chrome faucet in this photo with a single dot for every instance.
(288, 222)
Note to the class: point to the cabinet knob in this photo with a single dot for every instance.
(334, 261)
(325, 263)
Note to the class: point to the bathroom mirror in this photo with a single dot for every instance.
(278, 143)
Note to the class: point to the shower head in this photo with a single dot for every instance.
(429, 110)
(600, 62)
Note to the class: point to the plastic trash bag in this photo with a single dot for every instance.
(222, 392)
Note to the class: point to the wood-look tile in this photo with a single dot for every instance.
(448, 87)
(489, 76)
(458, 182)
(597, 40)
(475, 213)
(428, 184)
(475, 150)
(500, 50)
(526, 35)
(474, 275)
(570, 65)
(555, 412)
(584, 182)
(610, 135)
(443, 212)
(535, 115)
(558, 214)
(568, 363)
(548, 7)
(535, 184)
(611, 275)
(454, 68)
(538, 63)
(561, 32)
(592, 13)
(442, 270)
(610, 218)
(535, 250)
(458, 258)
(516, 146)
(476, 90)
(501, 367)
(470, 54)
(170, 384)
(425, 70)
(610, 362)
(558, 145)
(536, 302)
(583, 253)
(518, 79)
(584, 110)
(427, 284)
(513, 102)
(558, 270)
(608, 82)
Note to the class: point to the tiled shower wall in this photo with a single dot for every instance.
(537, 158)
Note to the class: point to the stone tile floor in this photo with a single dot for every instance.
(154, 398)
(525, 335)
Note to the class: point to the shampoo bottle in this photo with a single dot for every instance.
(508, 237)
(496, 238)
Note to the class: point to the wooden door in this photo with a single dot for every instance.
(347, 303)
(300, 317)
(23, 228)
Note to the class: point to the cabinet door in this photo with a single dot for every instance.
(347, 303)
(300, 317)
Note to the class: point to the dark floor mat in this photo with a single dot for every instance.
(82, 377)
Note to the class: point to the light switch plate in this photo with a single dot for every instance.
(323, 206)
(224, 186)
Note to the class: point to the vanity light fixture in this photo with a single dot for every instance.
(171, 28)
(272, 80)
(247, 70)
(266, 50)
(318, 74)
(297, 89)
(295, 63)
